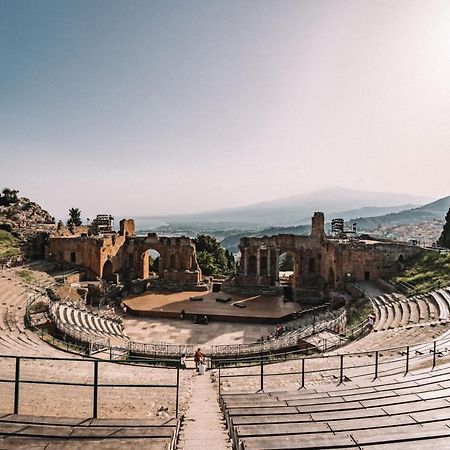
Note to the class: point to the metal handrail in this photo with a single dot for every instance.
(95, 384)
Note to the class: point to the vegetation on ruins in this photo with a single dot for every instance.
(8, 197)
(357, 311)
(26, 276)
(9, 245)
(74, 218)
(212, 258)
(429, 272)
(444, 240)
(287, 263)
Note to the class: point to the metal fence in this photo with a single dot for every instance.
(94, 385)
(340, 367)
(336, 324)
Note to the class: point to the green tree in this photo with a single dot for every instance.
(8, 197)
(444, 240)
(74, 217)
(287, 263)
(211, 256)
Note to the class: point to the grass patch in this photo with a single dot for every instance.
(26, 276)
(9, 245)
(357, 311)
(429, 272)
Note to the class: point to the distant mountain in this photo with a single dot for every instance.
(295, 210)
(435, 210)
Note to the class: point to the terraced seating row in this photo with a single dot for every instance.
(40, 432)
(411, 412)
(394, 310)
(14, 337)
(69, 317)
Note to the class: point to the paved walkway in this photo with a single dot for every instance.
(203, 425)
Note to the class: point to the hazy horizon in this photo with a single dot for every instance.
(155, 108)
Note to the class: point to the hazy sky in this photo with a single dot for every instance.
(146, 107)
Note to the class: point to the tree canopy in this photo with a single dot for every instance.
(212, 258)
(444, 240)
(74, 218)
(8, 197)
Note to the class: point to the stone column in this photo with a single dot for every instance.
(258, 263)
(268, 262)
(277, 265)
(244, 256)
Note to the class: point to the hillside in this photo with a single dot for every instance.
(429, 272)
(431, 211)
(295, 210)
(21, 220)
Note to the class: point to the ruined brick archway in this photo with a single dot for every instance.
(123, 255)
(108, 271)
(321, 263)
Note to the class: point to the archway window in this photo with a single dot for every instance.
(150, 263)
(172, 262)
(312, 265)
(263, 266)
(252, 265)
(108, 272)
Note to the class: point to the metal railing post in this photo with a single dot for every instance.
(407, 360)
(376, 365)
(262, 376)
(95, 404)
(17, 386)
(178, 391)
(434, 356)
(341, 370)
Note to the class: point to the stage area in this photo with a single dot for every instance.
(252, 309)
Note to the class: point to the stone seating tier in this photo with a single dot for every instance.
(394, 310)
(396, 412)
(44, 432)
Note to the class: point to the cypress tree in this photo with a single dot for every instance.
(444, 240)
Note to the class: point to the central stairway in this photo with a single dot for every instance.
(203, 426)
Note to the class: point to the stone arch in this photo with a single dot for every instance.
(108, 271)
(292, 265)
(401, 263)
(150, 262)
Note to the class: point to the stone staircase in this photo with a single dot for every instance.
(203, 425)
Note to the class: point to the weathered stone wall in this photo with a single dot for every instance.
(124, 255)
(319, 263)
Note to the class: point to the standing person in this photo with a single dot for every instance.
(183, 361)
(198, 358)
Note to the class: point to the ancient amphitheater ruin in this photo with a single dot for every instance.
(79, 373)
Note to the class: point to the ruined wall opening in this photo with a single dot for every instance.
(287, 268)
(263, 270)
(73, 257)
(331, 279)
(108, 271)
(150, 262)
(312, 265)
(252, 265)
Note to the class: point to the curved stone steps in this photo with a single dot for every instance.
(398, 315)
(424, 313)
(442, 305)
(406, 312)
(414, 316)
(390, 316)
